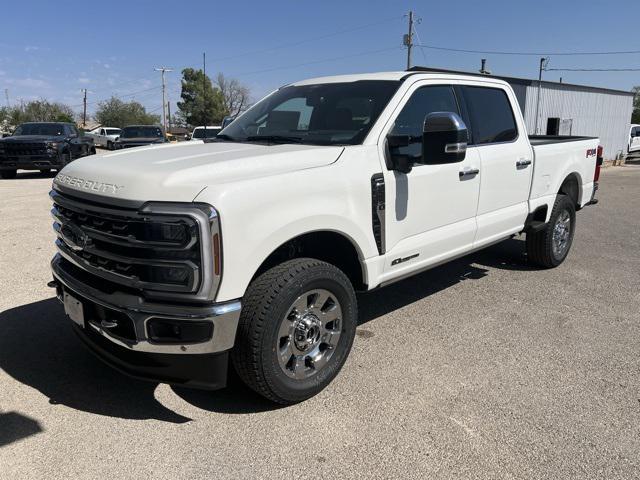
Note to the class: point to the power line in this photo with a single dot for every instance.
(593, 69)
(537, 54)
(306, 40)
(370, 52)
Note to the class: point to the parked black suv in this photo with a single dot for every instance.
(42, 146)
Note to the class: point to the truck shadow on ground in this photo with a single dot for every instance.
(38, 348)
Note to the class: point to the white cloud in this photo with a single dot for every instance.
(2, 73)
(83, 80)
(28, 82)
(30, 48)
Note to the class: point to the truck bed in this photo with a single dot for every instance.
(548, 139)
(556, 157)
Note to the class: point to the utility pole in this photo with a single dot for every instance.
(204, 92)
(6, 95)
(169, 113)
(543, 65)
(408, 39)
(164, 101)
(84, 108)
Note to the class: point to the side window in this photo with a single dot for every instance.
(410, 121)
(492, 119)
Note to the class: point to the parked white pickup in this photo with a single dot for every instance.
(253, 245)
(105, 136)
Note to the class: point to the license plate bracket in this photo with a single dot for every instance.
(74, 308)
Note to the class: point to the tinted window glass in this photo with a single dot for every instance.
(48, 129)
(492, 119)
(322, 114)
(410, 121)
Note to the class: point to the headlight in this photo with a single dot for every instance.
(52, 145)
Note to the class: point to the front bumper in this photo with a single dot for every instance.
(128, 346)
(30, 162)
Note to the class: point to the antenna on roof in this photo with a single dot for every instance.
(483, 70)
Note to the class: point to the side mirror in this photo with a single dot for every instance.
(444, 138)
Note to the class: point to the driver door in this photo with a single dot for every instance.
(431, 211)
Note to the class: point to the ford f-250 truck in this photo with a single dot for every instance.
(173, 260)
(42, 146)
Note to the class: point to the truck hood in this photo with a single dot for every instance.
(178, 172)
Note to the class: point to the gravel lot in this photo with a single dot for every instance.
(480, 368)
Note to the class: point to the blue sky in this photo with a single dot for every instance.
(54, 49)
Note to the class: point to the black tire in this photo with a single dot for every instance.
(109, 145)
(8, 174)
(265, 307)
(540, 244)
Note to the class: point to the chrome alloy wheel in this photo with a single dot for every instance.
(561, 234)
(309, 334)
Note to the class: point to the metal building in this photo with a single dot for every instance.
(567, 109)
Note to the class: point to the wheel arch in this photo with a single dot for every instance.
(572, 187)
(330, 246)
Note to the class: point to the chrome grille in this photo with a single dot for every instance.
(137, 249)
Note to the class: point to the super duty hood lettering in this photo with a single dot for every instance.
(89, 185)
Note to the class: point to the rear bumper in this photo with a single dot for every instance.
(116, 327)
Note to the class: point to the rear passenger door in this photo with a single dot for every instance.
(506, 161)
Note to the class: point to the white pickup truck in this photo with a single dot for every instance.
(250, 247)
(105, 136)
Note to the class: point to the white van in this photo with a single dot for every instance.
(634, 138)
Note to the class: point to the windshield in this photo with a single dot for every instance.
(210, 132)
(138, 132)
(322, 114)
(47, 129)
(113, 131)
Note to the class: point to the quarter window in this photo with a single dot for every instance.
(410, 121)
(491, 116)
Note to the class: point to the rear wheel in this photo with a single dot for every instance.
(296, 329)
(550, 246)
(8, 174)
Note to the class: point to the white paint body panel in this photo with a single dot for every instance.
(267, 195)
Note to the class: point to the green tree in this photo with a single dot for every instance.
(635, 116)
(116, 113)
(193, 108)
(41, 111)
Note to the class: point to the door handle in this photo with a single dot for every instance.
(468, 173)
(523, 162)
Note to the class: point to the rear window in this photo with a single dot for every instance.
(492, 119)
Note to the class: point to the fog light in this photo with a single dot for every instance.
(162, 330)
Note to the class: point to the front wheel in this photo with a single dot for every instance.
(550, 246)
(109, 145)
(296, 329)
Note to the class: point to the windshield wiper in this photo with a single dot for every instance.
(274, 139)
(222, 136)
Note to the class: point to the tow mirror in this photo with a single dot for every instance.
(444, 138)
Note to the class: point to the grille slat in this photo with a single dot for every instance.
(142, 251)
